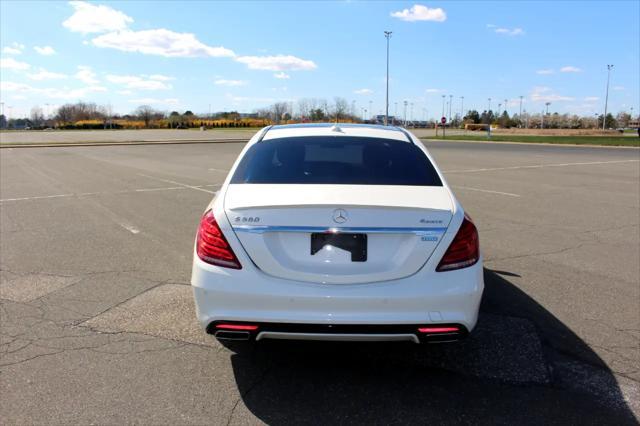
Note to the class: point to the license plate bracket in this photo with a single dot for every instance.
(356, 244)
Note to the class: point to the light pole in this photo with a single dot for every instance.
(499, 105)
(387, 35)
(547, 104)
(443, 96)
(450, 99)
(370, 108)
(506, 103)
(364, 114)
(405, 113)
(520, 113)
(411, 113)
(606, 99)
(489, 109)
(461, 107)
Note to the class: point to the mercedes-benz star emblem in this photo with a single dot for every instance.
(340, 216)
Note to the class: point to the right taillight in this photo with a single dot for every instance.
(211, 245)
(464, 250)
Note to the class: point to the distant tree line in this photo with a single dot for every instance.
(548, 121)
(87, 115)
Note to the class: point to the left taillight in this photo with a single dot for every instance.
(211, 245)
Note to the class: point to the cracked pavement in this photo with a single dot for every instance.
(97, 322)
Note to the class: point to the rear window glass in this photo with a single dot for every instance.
(343, 160)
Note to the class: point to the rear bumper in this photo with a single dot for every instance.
(340, 332)
(425, 298)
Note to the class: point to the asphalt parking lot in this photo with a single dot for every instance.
(97, 322)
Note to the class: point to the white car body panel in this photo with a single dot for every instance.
(279, 243)
(409, 228)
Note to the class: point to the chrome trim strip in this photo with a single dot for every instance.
(338, 337)
(261, 229)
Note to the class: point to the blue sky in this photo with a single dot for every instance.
(246, 55)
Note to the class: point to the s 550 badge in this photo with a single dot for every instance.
(244, 219)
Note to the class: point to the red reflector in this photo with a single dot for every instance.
(211, 245)
(237, 327)
(438, 329)
(464, 250)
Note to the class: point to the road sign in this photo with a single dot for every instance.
(443, 120)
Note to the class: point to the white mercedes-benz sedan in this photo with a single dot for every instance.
(336, 232)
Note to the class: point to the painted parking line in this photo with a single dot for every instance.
(196, 188)
(42, 197)
(88, 194)
(468, 188)
(540, 166)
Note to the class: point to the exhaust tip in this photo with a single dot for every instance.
(231, 335)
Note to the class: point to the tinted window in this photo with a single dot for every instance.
(336, 160)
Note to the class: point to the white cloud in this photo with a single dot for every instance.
(46, 75)
(363, 91)
(124, 92)
(510, 31)
(230, 83)
(13, 49)
(433, 90)
(160, 42)
(66, 93)
(56, 93)
(159, 77)
(92, 18)
(10, 86)
(591, 98)
(419, 12)
(545, 71)
(570, 68)
(155, 101)
(137, 82)
(45, 50)
(277, 63)
(545, 94)
(86, 75)
(282, 75)
(12, 64)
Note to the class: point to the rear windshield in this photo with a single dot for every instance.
(343, 160)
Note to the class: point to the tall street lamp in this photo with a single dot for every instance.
(520, 113)
(405, 113)
(489, 109)
(443, 96)
(387, 35)
(606, 99)
(461, 107)
(450, 99)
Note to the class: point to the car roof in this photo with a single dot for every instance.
(336, 129)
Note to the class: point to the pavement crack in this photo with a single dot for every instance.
(247, 392)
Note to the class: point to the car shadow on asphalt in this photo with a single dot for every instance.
(521, 365)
